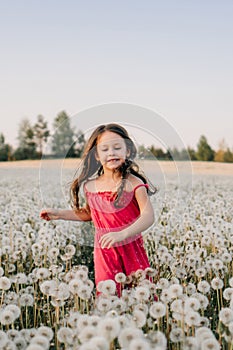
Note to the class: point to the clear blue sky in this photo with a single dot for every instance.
(172, 56)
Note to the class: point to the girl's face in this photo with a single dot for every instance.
(111, 150)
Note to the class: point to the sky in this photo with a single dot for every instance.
(172, 57)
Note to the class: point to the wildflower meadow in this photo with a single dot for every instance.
(48, 299)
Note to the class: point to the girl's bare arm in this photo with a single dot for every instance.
(82, 214)
(144, 221)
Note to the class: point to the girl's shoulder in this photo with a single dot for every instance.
(90, 185)
(134, 182)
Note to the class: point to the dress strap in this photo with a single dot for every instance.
(140, 185)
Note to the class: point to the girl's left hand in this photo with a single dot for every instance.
(110, 239)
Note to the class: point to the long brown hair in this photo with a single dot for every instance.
(90, 166)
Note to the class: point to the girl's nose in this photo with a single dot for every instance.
(111, 151)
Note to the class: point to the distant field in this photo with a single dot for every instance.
(212, 168)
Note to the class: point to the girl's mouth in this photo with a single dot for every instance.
(113, 160)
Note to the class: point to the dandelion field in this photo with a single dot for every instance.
(47, 294)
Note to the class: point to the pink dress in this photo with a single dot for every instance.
(127, 256)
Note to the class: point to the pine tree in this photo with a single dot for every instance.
(41, 133)
(63, 137)
(204, 151)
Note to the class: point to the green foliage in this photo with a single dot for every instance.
(63, 137)
(79, 143)
(5, 149)
(27, 145)
(204, 151)
(41, 133)
(192, 153)
(228, 156)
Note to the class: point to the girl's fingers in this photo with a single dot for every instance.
(44, 215)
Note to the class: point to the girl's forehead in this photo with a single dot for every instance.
(109, 136)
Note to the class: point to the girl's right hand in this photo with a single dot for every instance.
(49, 214)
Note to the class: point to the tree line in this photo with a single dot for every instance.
(68, 142)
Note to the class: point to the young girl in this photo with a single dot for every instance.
(117, 201)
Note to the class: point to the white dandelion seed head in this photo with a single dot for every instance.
(109, 328)
(5, 283)
(127, 335)
(157, 310)
(139, 344)
(120, 277)
(192, 303)
(162, 283)
(103, 304)
(210, 344)
(142, 307)
(94, 320)
(217, 264)
(74, 285)
(65, 335)
(20, 343)
(14, 309)
(119, 305)
(190, 343)
(190, 288)
(89, 284)
(217, 283)
(46, 332)
(13, 334)
(203, 333)
(142, 293)
(42, 273)
(87, 334)
(70, 249)
(176, 335)
(6, 250)
(226, 257)
(26, 300)
(157, 339)
(41, 341)
(226, 315)
(21, 278)
(178, 306)
(84, 292)
(138, 318)
(108, 287)
(124, 320)
(203, 287)
(73, 319)
(53, 253)
(34, 347)
(200, 272)
(192, 318)
(81, 274)
(231, 282)
(3, 339)
(174, 280)
(99, 343)
(48, 287)
(228, 293)
(6, 317)
(82, 322)
(140, 275)
(175, 290)
(165, 296)
(151, 272)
